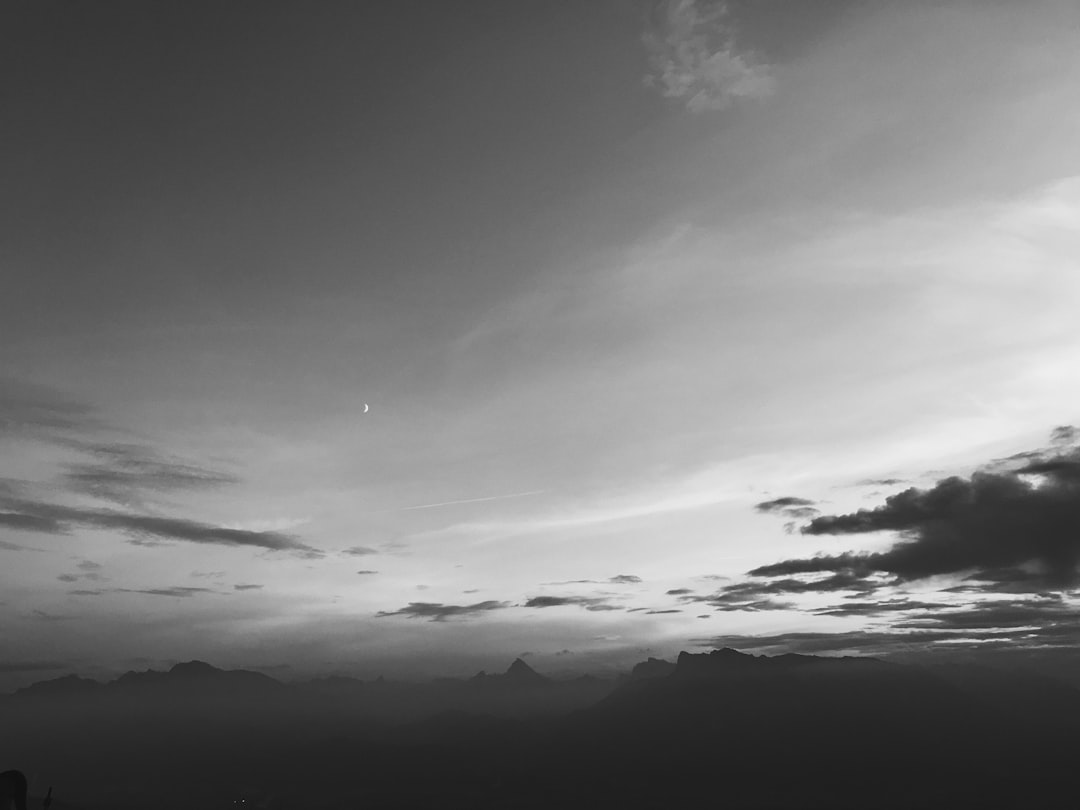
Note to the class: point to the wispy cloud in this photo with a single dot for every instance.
(59, 518)
(472, 500)
(593, 603)
(695, 58)
(123, 472)
(37, 411)
(437, 611)
(179, 591)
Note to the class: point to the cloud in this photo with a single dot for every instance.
(29, 523)
(1064, 434)
(678, 591)
(1043, 613)
(367, 571)
(794, 509)
(122, 472)
(1010, 526)
(694, 57)
(147, 527)
(437, 612)
(175, 590)
(247, 587)
(90, 571)
(1017, 626)
(618, 579)
(6, 546)
(753, 595)
(783, 504)
(992, 522)
(51, 617)
(359, 551)
(884, 607)
(593, 603)
(34, 410)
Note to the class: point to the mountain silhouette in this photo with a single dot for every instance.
(518, 675)
(59, 688)
(651, 668)
(787, 731)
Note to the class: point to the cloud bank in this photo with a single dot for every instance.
(1016, 525)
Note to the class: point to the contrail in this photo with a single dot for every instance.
(472, 500)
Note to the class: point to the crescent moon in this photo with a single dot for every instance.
(365, 408)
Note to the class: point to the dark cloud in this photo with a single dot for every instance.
(121, 473)
(147, 528)
(1011, 625)
(991, 521)
(727, 604)
(594, 603)
(366, 572)
(175, 590)
(678, 591)
(91, 571)
(247, 587)
(847, 562)
(1044, 613)
(1014, 523)
(793, 509)
(624, 579)
(1064, 434)
(757, 595)
(574, 582)
(437, 612)
(780, 504)
(86, 592)
(882, 608)
(30, 523)
(666, 610)
(359, 551)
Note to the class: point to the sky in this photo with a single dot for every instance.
(409, 338)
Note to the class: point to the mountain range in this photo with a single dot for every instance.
(747, 731)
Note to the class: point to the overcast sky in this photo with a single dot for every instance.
(411, 337)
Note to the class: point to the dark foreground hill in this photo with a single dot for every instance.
(721, 729)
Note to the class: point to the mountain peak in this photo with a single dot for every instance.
(194, 669)
(522, 673)
(715, 662)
